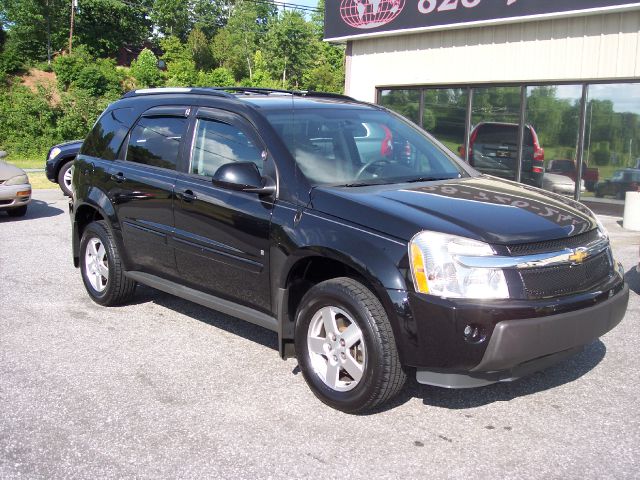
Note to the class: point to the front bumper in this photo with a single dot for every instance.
(516, 337)
(14, 196)
(50, 169)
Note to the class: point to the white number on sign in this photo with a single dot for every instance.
(428, 6)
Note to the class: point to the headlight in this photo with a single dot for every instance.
(17, 180)
(601, 228)
(436, 270)
(55, 151)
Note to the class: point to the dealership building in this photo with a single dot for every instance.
(513, 86)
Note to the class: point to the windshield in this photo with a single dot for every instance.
(353, 147)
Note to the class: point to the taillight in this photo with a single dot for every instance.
(537, 169)
(386, 147)
(538, 151)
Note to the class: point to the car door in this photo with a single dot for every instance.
(142, 183)
(222, 235)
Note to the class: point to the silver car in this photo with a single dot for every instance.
(15, 189)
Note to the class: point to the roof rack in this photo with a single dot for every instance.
(224, 92)
(165, 90)
(297, 93)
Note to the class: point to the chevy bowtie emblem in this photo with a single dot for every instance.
(578, 255)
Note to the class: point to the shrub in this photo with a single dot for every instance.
(68, 67)
(145, 69)
(220, 77)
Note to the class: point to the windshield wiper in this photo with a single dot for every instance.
(429, 179)
(363, 184)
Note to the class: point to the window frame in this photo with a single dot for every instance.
(158, 112)
(228, 118)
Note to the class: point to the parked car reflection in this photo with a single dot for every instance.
(622, 181)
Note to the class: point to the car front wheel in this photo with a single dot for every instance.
(64, 178)
(346, 348)
(102, 272)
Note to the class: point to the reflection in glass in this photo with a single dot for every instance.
(612, 143)
(404, 102)
(553, 113)
(444, 115)
(493, 143)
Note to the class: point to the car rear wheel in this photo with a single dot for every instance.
(345, 346)
(101, 267)
(64, 178)
(18, 212)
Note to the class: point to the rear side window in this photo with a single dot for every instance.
(156, 141)
(216, 143)
(108, 134)
(502, 135)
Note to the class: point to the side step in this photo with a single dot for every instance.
(206, 300)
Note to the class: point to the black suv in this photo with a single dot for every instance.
(263, 205)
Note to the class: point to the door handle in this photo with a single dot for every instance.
(188, 196)
(118, 177)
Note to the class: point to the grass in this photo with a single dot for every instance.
(40, 181)
(26, 162)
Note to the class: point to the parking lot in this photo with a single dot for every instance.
(163, 388)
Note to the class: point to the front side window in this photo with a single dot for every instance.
(156, 141)
(337, 146)
(217, 143)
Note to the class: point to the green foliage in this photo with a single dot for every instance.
(290, 46)
(219, 77)
(11, 59)
(174, 50)
(106, 25)
(81, 70)
(172, 17)
(181, 73)
(99, 78)
(78, 111)
(34, 23)
(145, 69)
(68, 67)
(28, 124)
(200, 49)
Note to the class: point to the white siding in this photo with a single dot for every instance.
(579, 48)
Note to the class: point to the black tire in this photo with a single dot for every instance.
(620, 195)
(382, 374)
(598, 193)
(63, 170)
(118, 288)
(17, 212)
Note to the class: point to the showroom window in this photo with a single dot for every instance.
(550, 136)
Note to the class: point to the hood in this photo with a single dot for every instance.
(483, 208)
(8, 171)
(70, 142)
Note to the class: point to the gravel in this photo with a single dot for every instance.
(163, 388)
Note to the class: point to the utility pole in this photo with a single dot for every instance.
(48, 33)
(73, 12)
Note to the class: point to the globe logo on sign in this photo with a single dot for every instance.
(370, 13)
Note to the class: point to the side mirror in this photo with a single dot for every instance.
(244, 177)
(2, 154)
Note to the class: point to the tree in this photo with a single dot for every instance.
(290, 46)
(145, 69)
(200, 49)
(210, 15)
(36, 27)
(235, 45)
(106, 25)
(172, 17)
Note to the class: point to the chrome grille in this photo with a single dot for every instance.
(559, 280)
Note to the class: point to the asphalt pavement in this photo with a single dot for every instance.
(164, 388)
